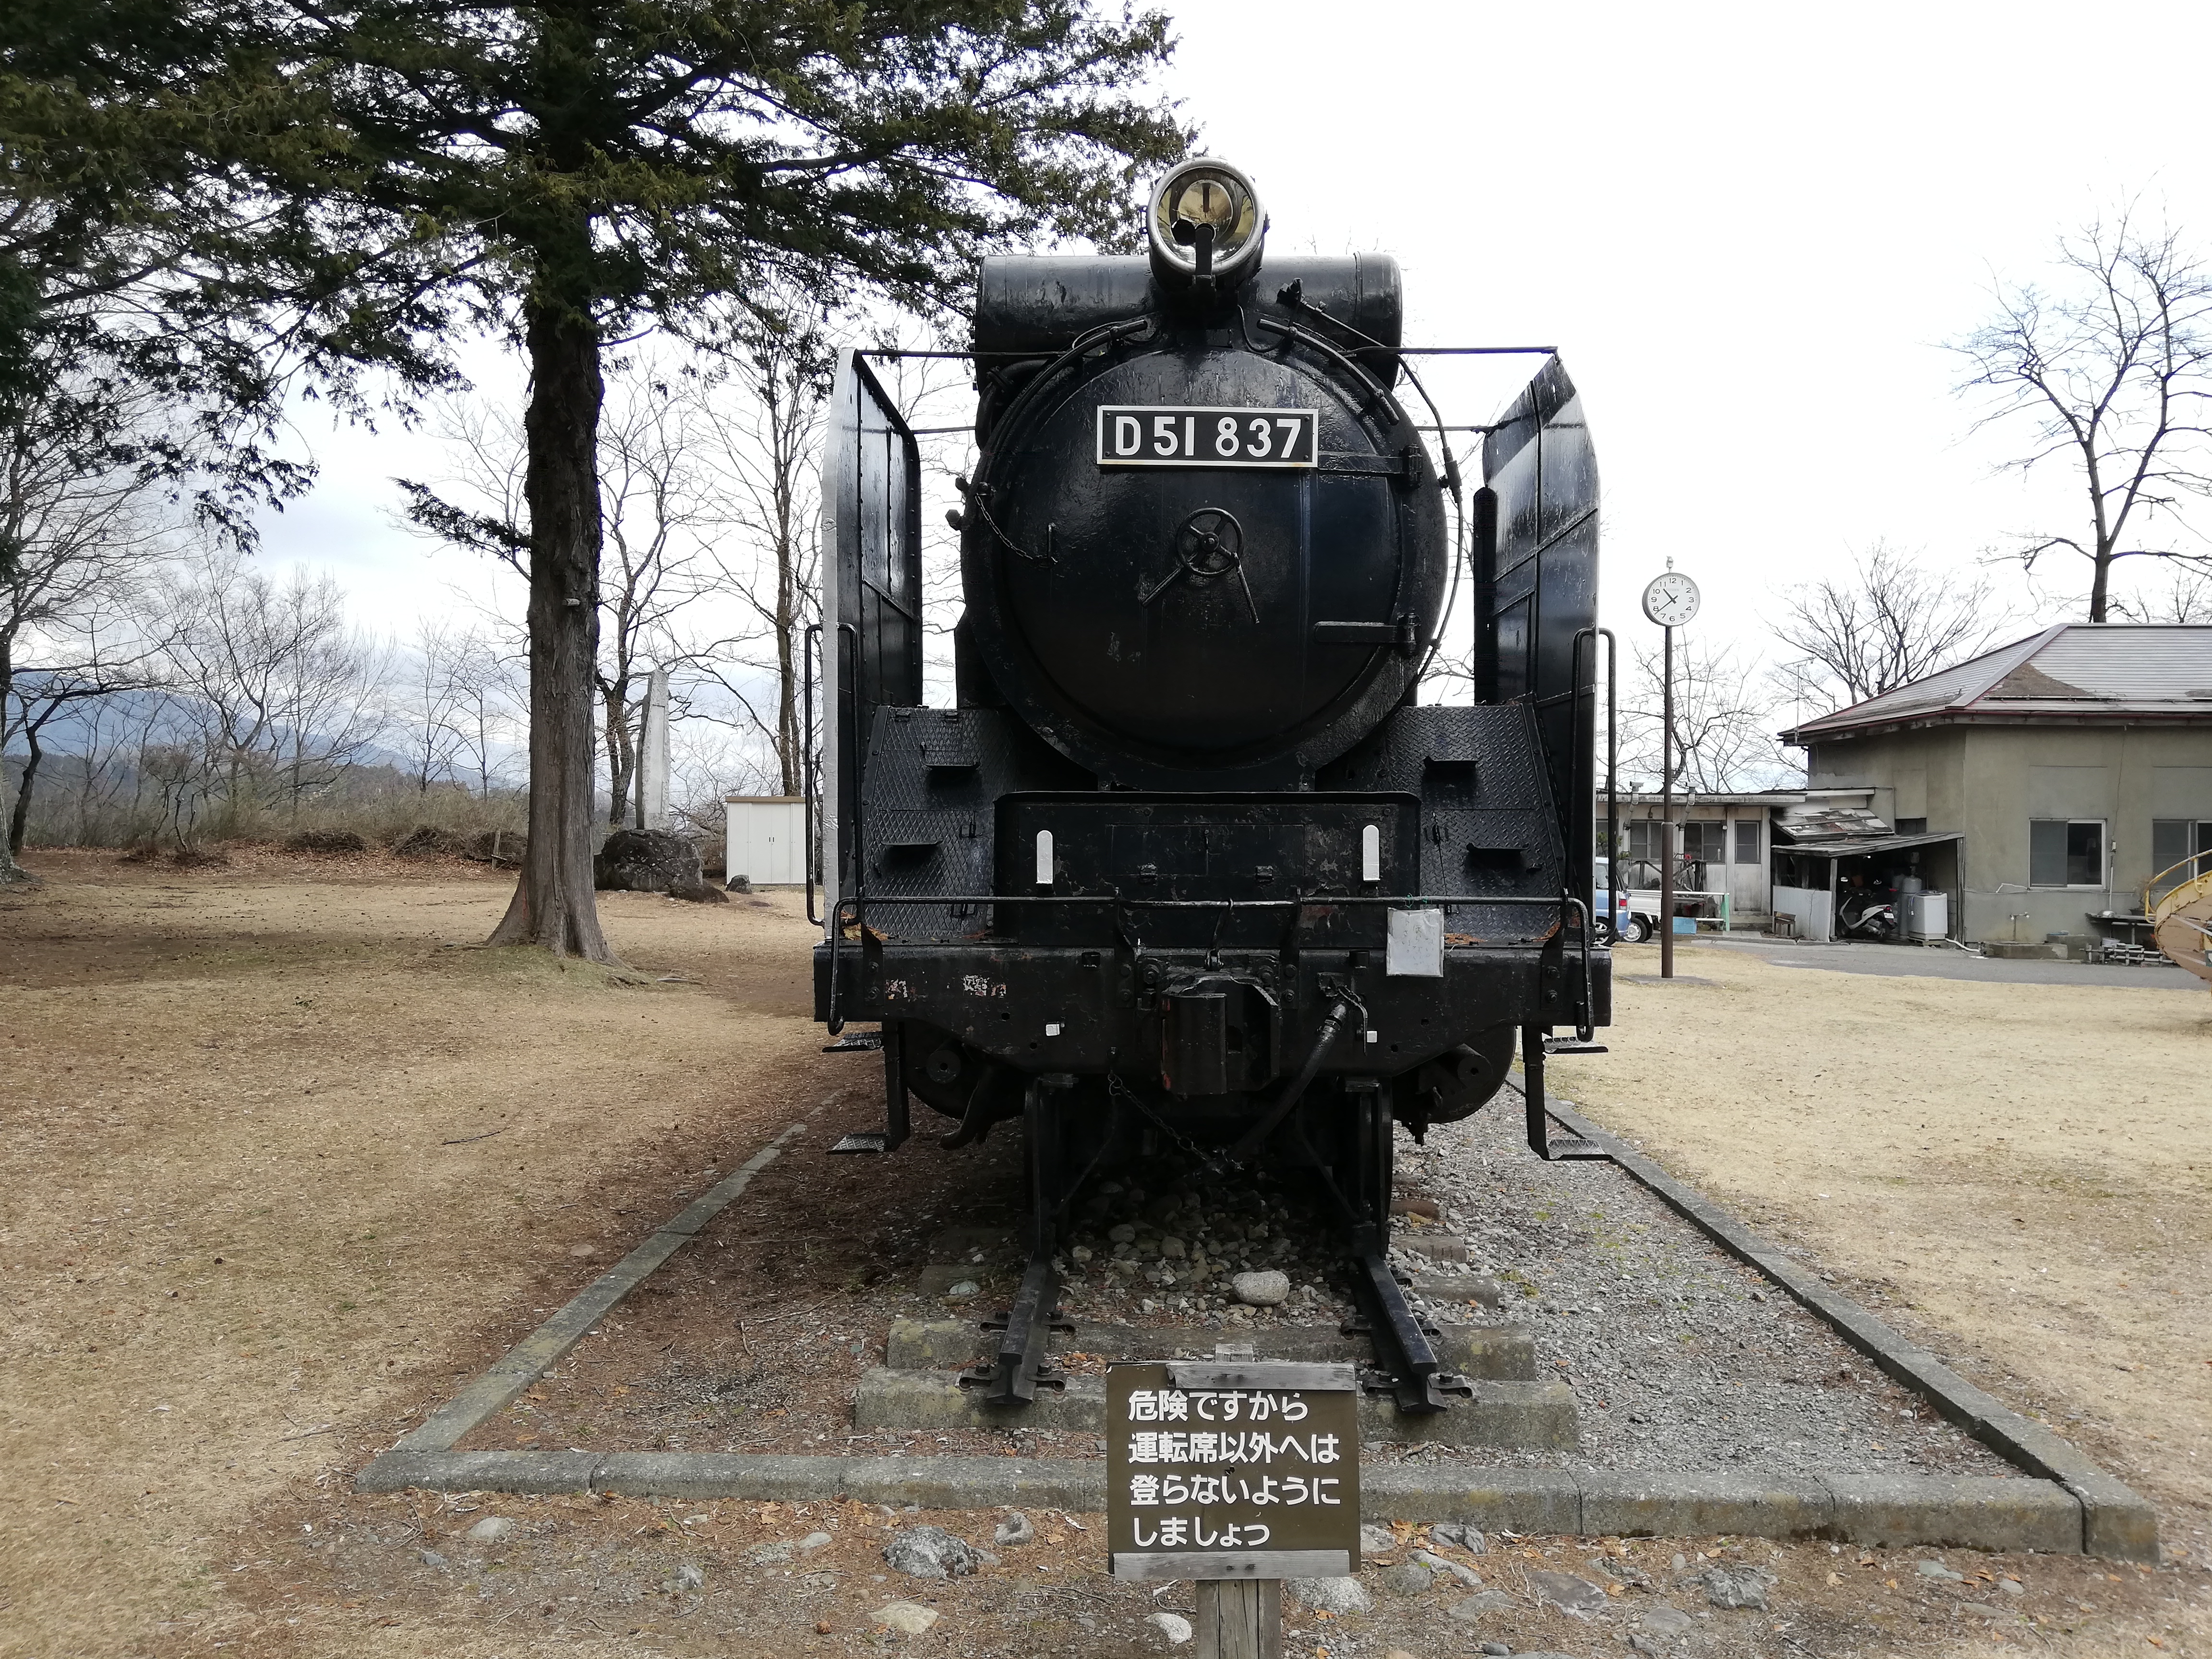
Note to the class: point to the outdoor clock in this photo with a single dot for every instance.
(1671, 599)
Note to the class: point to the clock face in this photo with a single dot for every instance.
(1671, 599)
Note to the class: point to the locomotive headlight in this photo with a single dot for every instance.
(1206, 226)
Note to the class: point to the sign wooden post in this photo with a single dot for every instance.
(1234, 1474)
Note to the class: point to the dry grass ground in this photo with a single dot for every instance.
(283, 1162)
(283, 1159)
(2028, 1167)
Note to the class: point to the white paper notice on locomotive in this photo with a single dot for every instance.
(1140, 435)
(1231, 1469)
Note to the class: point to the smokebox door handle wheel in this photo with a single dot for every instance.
(1208, 544)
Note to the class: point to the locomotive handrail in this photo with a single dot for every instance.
(1585, 1017)
(1611, 758)
(1378, 392)
(810, 641)
(1105, 334)
(852, 746)
(834, 1023)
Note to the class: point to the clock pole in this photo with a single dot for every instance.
(1670, 600)
(1666, 802)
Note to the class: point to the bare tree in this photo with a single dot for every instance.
(81, 528)
(766, 416)
(88, 657)
(285, 694)
(657, 510)
(2186, 600)
(2110, 369)
(652, 491)
(1723, 716)
(1890, 621)
(428, 700)
(491, 702)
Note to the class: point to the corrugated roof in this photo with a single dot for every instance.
(1848, 849)
(2073, 670)
(1815, 820)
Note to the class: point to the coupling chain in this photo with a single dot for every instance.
(1207, 1158)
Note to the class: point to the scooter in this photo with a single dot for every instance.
(1862, 915)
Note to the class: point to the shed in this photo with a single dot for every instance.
(765, 839)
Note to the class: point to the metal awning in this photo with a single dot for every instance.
(1844, 850)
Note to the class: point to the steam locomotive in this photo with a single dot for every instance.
(1187, 866)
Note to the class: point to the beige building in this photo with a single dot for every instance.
(1723, 845)
(2041, 786)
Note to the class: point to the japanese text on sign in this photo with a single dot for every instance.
(1272, 1469)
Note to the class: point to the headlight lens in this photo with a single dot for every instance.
(1212, 196)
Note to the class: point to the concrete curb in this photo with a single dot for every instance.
(1531, 1416)
(2115, 1523)
(1962, 1512)
(1491, 1353)
(545, 1348)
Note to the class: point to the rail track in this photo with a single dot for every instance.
(1630, 1359)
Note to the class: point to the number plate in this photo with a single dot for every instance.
(1151, 436)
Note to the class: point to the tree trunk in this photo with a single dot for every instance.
(10, 871)
(790, 743)
(2100, 588)
(19, 816)
(621, 752)
(554, 905)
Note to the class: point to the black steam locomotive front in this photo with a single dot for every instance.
(1187, 866)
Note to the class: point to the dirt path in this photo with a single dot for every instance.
(283, 1162)
(2026, 1168)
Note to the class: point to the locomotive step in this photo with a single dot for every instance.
(1487, 1354)
(1519, 1416)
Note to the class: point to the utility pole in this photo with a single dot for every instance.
(1670, 600)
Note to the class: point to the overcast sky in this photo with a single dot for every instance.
(1749, 229)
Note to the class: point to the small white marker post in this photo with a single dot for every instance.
(1233, 1474)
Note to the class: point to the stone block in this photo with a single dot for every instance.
(2116, 1524)
(1633, 1504)
(925, 1345)
(1970, 1511)
(1438, 1247)
(1542, 1502)
(888, 1399)
(1496, 1353)
(1471, 1288)
(1526, 1416)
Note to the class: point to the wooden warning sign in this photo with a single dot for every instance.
(1228, 1469)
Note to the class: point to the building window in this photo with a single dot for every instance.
(2172, 840)
(1912, 826)
(2066, 852)
(1746, 840)
(1704, 841)
(1643, 839)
